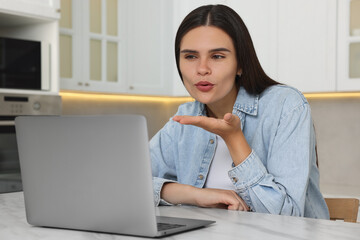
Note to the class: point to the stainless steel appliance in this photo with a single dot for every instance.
(11, 106)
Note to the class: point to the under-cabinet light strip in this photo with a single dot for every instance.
(114, 97)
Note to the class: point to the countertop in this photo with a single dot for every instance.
(229, 225)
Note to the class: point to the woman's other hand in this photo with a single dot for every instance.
(219, 198)
(177, 193)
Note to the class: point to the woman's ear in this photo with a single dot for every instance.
(239, 72)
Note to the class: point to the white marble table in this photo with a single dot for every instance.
(229, 225)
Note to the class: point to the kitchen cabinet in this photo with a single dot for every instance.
(150, 53)
(306, 55)
(296, 43)
(348, 74)
(141, 50)
(92, 43)
(295, 40)
(34, 20)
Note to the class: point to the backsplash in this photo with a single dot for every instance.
(337, 126)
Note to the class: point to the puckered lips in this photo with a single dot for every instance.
(204, 86)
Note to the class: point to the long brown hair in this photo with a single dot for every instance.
(253, 77)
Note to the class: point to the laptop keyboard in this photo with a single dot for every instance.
(167, 226)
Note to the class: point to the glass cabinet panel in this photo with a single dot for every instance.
(95, 16)
(355, 18)
(66, 14)
(111, 62)
(354, 66)
(111, 17)
(95, 60)
(66, 56)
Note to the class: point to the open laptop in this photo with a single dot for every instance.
(91, 173)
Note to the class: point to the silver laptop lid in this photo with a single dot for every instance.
(58, 159)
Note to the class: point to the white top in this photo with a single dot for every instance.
(221, 164)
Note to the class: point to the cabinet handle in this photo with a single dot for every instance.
(131, 88)
(80, 83)
(7, 123)
(87, 84)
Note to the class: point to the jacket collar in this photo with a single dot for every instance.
(246, 103)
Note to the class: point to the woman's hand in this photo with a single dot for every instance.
(177, 193)
(229, 128)
(225, 127)
(219, 198)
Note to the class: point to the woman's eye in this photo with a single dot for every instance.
(217, 56)
(190, 57)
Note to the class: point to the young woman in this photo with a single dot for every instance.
(247, 142)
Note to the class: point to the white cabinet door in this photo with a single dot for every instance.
(307, 44)
(348, 45)
(92, 46)
(148, 47)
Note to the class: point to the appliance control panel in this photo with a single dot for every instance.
(26, 104)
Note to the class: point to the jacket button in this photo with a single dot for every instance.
(201, 177)
(211, 141)
(234, 179)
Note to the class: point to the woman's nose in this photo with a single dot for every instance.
(203, 67)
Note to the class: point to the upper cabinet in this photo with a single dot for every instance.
(92, 43)
(35, 20)
(117, 46)
(306, 46)
(295, 40)
(348, 45)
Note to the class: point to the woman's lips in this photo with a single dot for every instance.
(204, 86)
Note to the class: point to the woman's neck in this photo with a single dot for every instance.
(220, 108)
(217, 113)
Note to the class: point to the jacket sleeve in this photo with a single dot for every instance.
(280, 186)
(163, 153)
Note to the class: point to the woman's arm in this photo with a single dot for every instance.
(177, 193)
(166, 188)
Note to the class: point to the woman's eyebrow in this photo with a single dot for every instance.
(188, 51)
(210, 51)
(219, 50)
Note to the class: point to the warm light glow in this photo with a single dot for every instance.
(138, 98)
(118, 97)
(332, 95)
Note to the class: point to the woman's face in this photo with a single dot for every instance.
(208, 66)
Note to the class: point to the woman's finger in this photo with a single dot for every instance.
(242, 205)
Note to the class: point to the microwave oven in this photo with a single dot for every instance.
(24, 64)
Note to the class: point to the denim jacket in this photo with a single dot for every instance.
(280, 176)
